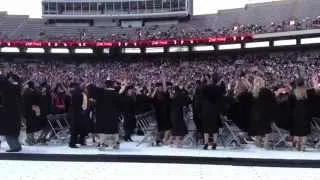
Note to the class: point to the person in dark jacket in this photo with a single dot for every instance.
(211, 110)
(177, 103)
(11, 111)
(79, 115)
(263, 108)
(301, 117)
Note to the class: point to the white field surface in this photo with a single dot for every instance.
(249, 151)
(34, 170)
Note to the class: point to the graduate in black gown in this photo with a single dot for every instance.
(301, 117)
(284, 108)
(143, 101)
(129, 112)
(196, 106)
(108, 110)
(91, 110)
(211, 109)
(241, 113)
(10, 110)
(178, 101)
(32, 112)
(79, 115)
(144, 104)
(314, 97)
(263, 108)
(45, 104)
(161, 99)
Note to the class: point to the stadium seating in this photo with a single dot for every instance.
(275, 16)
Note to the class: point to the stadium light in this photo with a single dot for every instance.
(35, 50)
(59, 51)
(257, 44)
(83, 51)
(179, 49)
(203, 48)
(10, 50)
(315, 40)
(287, 42)
(229, 46)
(131, 50)
(154, 50)
(106, 51)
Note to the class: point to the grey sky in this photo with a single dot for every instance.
(33, 7)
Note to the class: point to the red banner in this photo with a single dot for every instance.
(138, 43)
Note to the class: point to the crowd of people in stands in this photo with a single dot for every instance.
(176, 32)
(179, 31)
(247, 89)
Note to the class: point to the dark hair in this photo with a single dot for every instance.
(15, 77)
(300, 82)
(215, 78)
(57, 87)
(31, 84)
(109, 84)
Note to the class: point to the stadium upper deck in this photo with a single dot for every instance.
(287, 15)
(122, 9)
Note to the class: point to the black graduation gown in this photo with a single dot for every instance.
(33, 122)
(128, 112)
(45, 107)
(162, 108)
(143, 104)
(242, 116)
(211, 108)
(10, 120)
(314, 102)
(79, 118)
(263, 109)
(284, 112)
(196, 109)
(108, 109)
(177, 103)
(301, 118)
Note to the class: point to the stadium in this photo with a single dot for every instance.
(124, 83)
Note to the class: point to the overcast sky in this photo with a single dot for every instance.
(33, 7)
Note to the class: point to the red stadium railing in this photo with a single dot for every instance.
(138, 43)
